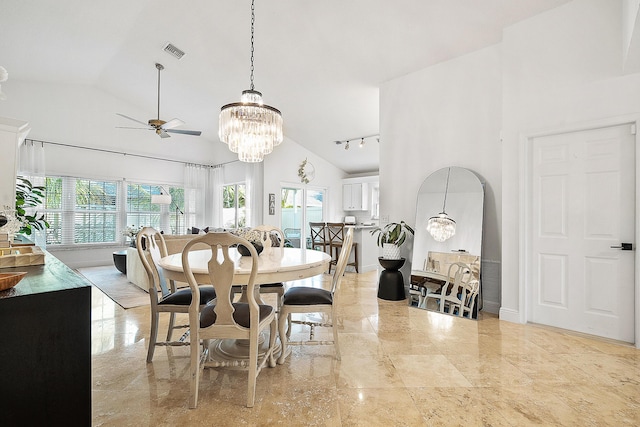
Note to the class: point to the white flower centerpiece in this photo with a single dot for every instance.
(254, 237)
(132, 233)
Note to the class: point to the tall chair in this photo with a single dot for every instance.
(335, 236)
(165, 298)
(272, 237)
(318, 236)
(224, 319)
(304, 299)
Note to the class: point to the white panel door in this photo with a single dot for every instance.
(583, 204)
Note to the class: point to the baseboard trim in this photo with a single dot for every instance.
(509, 315)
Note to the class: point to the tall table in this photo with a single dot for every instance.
(274, 265)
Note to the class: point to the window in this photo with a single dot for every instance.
(81, 211)
(234, 213)
(140, 210)
(87, 211)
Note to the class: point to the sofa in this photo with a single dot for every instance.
(136, 273)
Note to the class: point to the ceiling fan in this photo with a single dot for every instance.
(161, 127)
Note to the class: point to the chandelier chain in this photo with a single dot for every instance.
(253, 20)
(446, 190)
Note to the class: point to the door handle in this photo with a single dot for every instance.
(624, 247)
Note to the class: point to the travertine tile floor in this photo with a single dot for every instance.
(401, 366)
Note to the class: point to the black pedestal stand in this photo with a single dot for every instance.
(391, 284)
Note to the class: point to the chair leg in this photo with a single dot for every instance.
(253, 372)
(272, 342)
(355, 251)
(153, 336)
(283, 318)
(172, 322)
(194, 370)
(334, 327)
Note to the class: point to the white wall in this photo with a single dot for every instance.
(561, 69)
(446, 115)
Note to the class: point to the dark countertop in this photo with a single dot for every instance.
(52, 276)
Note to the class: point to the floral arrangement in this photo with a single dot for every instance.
(254, 236)
(131, 232)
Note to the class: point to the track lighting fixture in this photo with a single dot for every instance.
(360, 144)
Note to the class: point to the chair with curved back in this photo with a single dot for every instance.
(305, 299)
(452, 296)
(271, 235)
(469, 305)
(335, 236)
(165, 298)
(225, 319)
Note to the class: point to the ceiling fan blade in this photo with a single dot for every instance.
(131, 127)
(172, 124)
(163, 134)
(131, 118)
(185, 132)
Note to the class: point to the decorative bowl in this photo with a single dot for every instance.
(9, 280)
(245, 252)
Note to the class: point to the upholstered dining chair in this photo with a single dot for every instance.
(335, 237)
(305, 299)
(165, 298)
(226, 319)
(272, 237)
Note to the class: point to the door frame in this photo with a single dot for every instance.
(525, 212)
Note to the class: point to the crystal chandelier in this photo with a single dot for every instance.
(249, 127)
(442, 227)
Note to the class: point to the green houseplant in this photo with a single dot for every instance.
(29, 196)
(391, 237)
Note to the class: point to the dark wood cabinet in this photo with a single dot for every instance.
(45, 347)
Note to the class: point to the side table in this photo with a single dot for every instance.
(120, 261)
(391, 283)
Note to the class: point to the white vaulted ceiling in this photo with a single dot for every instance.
(319, 62)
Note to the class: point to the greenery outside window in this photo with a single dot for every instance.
(87, 211)
(81, 211)
(234, 212)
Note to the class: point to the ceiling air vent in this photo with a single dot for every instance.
(173, 51)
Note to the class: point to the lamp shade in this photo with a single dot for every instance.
(161, 199)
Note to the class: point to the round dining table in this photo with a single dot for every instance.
(274, 265)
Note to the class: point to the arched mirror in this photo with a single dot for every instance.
(447, 243)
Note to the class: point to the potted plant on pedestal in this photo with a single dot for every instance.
(391, 237)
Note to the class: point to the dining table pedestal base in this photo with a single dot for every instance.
(229, 350)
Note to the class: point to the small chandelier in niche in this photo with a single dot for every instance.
(250, 127)
(442, 227)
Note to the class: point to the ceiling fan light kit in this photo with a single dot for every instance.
(250, 128)
(161, 127)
